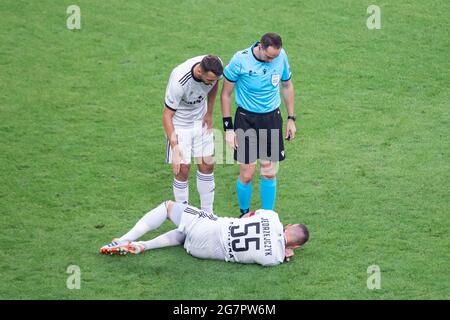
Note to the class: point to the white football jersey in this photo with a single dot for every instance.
(186, 95)
(256, 239)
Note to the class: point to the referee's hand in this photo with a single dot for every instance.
(290, 130)
(230, 138)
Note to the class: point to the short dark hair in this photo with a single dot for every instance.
(271, 39)
(305, 233)
(213, 64)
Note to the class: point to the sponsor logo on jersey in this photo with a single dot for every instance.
(196, 101)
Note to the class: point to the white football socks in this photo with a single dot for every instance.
(171, 238)
(150, 221)
(180, 191)
(205, 188)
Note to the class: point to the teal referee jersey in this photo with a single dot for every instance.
(257, 83)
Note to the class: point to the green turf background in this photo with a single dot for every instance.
(82, 147)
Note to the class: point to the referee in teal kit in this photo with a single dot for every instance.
(257, 73)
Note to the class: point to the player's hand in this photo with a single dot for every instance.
(208, 122)
(288, 253)
(177, 159)
(230, 138)
(290, 130)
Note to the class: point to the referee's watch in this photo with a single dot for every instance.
(293, 118)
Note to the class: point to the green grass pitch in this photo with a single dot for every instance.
(82, 147)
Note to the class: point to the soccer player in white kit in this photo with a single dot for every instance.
(257, 237)
(187, 120)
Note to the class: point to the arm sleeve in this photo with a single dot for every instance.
(233, 69)
(174, 93)
(286, 68)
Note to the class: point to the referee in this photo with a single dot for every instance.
(256, 73)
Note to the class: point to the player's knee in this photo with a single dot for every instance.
(169, 205)
(183, 174)
(268, 171)
(268, 176)
(206, 168)
(246, 177)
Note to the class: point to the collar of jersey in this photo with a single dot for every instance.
(192, 73)
(257, 42)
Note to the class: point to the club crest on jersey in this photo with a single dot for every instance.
(275, 79)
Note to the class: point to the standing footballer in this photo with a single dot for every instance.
(256, 73)
(187, 120)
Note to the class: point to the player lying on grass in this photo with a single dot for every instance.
(258, 237)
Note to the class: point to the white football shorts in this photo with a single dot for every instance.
(203, 234)
(194, 142)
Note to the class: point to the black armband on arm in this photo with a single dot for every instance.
(227, 123)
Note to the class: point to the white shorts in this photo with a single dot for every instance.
(202, 232)
(194, 142)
